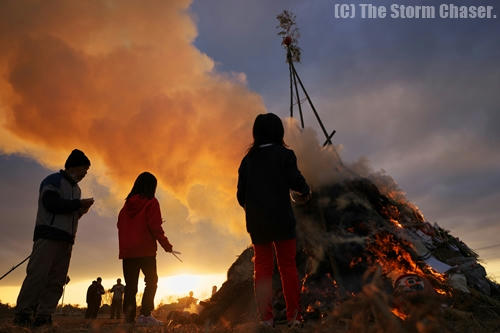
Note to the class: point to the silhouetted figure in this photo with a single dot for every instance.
(94, 298)
(266, 175)
(91, 300)
(214, 290)
(59, 209)
(117, 301)
(100, 292)
(139, 227)
(187, 301)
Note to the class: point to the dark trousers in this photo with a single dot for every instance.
(92, 310)
(131, 269)
(116, 308)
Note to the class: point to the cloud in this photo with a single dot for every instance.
(122, 81)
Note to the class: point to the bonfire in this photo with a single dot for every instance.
(370, 262)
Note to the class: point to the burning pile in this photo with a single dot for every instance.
(367, 258)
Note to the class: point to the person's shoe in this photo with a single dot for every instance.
(22, 319)
(148, 321)
(45, 320)
(295, 323)
(267, 323)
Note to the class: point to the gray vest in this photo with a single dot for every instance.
(67, 223)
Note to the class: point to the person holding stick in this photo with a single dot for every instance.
(265, 177)
(60, 207)
(139, 228)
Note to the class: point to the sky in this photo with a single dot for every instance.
(173, 88)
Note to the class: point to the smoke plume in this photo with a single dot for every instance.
(122, 81)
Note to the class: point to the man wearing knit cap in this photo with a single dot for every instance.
(59, 209)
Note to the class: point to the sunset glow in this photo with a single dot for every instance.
(170, 288)
(174, 87)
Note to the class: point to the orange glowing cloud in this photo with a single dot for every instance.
(122, 81)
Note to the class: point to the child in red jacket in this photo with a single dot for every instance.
(139, 227)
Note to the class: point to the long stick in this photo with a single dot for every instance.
(62, 303)
(312, 106)
(298, 100)
(291, 91)
(175, 253)
(13, 268)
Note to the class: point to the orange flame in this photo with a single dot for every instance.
(395, 260)
(399, 314)
(396, 223)
(440, 291)
(355, 261)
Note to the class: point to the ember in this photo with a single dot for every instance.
(399, 314)
(396, 223)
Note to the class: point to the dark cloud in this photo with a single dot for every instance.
(19, 180)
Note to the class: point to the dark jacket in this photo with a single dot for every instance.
(265, 178)
(58, 208)
(139, 227)
(92, 293)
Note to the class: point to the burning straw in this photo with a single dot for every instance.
(367, 258)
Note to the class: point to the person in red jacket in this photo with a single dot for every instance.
(139, 228)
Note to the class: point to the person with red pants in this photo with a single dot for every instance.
(265, 177)
(139, 228)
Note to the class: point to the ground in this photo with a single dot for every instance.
(78, 324)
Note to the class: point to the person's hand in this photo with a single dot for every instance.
(300, 198)
(85, 205)
(168, 247)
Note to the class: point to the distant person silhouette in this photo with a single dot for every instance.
(266, 175)
(100, 292)
(94, 298)
(59, 209)
(139, 228)
(187, 301)
(117, 301)
(91, 300)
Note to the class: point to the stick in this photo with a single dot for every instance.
(312, 106)
(174, 253)
(298, 100)
(62, 303)
(291, 90)
(329, 138)
(13, 268)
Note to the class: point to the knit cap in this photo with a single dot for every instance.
(76, 158)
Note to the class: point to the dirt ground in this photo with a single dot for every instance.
(78, 324)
